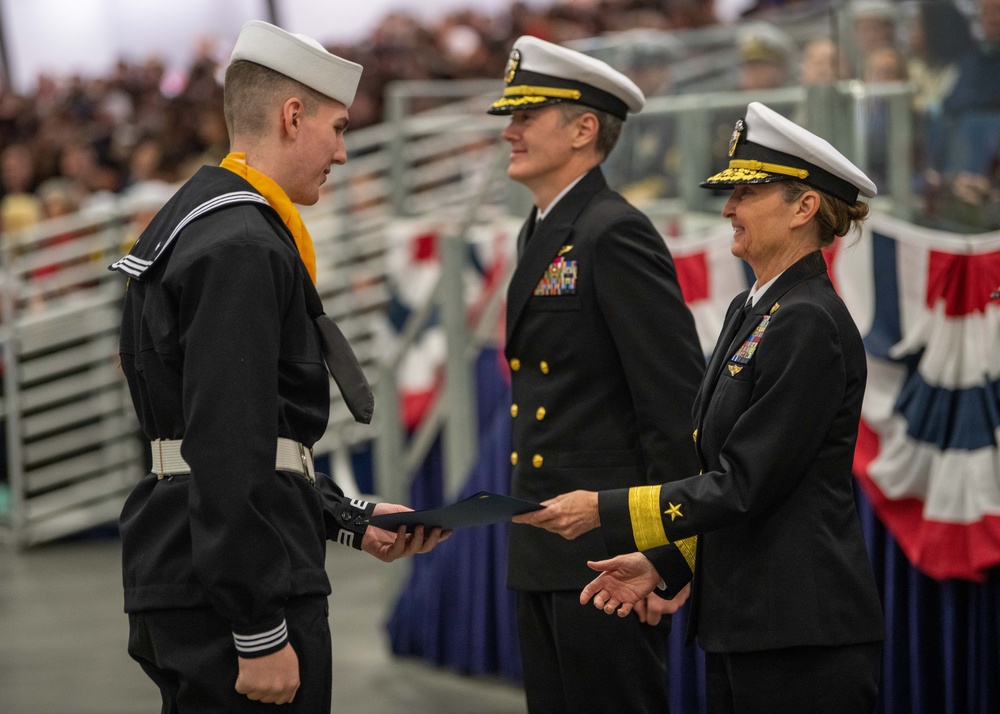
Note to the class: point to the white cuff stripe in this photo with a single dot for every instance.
(261, 641)
(346, 537)
(359, 504)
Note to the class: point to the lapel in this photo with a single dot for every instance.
(526, 232)
(733, 326)
(738, 328)
(549, 236)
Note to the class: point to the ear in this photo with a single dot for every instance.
(586, 128)
(805, 208)
(292, 112)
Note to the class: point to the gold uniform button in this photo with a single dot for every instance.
(536, 461)
(694, 435)
(515, 364)
(513, 410)
(544, 366)
(540, 414)
(513, 458)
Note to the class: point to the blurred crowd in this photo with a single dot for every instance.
(74, 142)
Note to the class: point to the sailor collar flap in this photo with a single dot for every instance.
(188, 205)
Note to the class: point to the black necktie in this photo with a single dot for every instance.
(732, 328)
(340, 359)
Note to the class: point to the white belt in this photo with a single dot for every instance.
(291, 456)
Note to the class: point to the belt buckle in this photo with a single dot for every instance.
(308, 470)
(160, 473)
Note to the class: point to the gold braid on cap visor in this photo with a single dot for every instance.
(764, 168)
(522, 94)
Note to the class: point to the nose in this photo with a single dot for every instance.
(340, 155)
(510, 132)
(730, 207)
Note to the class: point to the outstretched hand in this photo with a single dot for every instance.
(569, 515)
(623, 582)
(388, 546)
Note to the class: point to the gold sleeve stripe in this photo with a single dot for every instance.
(752, 165)
(688, 547)
(647, 523)
(551, 92)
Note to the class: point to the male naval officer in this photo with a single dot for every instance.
(605, 362)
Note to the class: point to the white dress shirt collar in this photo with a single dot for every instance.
(548, 209)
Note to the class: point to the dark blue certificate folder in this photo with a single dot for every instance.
(480, 509)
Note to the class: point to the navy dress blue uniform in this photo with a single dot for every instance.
(605, 362)
(781, 562)
(228, 355)
(782, 582)
(236, 547)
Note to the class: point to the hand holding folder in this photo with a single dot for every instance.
(479, 509)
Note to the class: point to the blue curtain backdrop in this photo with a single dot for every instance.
(942, 655)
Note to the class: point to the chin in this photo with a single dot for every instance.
(518, 174)
(306, 199)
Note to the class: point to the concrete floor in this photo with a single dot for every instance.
(63, 637)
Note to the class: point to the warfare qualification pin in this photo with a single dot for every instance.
(737, 132)
(512, 62)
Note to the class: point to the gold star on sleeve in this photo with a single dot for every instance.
(674, 511)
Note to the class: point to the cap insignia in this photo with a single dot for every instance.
(737, 133)
(512, 63)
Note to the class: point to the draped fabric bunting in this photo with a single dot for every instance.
(926, 464)
(927, 455)
(413, 262)
(455, 610)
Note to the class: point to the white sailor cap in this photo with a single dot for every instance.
(300, 58)
(539, 73)
(767, 147)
